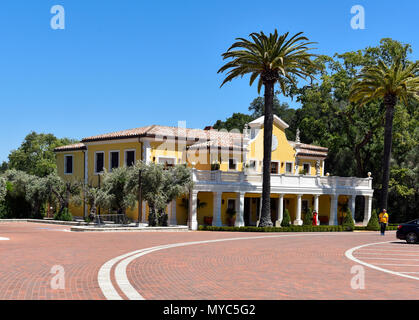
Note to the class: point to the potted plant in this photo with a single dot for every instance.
(215, 166)
(231, 216)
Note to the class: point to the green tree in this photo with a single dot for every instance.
(282, 110)
(159, 186)
(62, 191)
(26, 194)
(3, 188)
(236, 121)
(93, 197)
(348, 221)
(392, 83)
(273, 59)
(373, 222)
(286, 220)
(308, 217)
(116, 192)
(36, 154)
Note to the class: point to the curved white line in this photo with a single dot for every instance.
(349, 255)
(3, 238)
(104, 275)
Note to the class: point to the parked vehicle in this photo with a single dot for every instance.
(409, 231)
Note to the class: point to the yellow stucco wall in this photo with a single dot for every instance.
(283, 153)
(77, 175)
(106, 147)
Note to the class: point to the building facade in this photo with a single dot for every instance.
(227, 173)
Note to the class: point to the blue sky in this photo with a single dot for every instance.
(129, 63)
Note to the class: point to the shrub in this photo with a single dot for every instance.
(286, 221)
(275, 229)
(64, 215)
(373, 223)
(348, 222)
(308, 218)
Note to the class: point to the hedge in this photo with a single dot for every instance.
(276, 229)
(389, 228)
(288, 229)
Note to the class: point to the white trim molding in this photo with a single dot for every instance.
(72, 164)
(125, 155)
(110, 159)
(95, 162)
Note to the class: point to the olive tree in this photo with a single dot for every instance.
(24, 194)
(93, 197)
(116, 192)
(160, 185)
(3, 188)
(62, 191)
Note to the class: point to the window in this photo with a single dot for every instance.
(304, 206)
(306, 168)
(274, 167)
(129, 158)
(68, 164)
(252, 164)
(288, 167)
(113, 160)
(99, 161)
(232, 164)
(168, 162)
(231, 204)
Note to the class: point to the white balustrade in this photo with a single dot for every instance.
(303, 181)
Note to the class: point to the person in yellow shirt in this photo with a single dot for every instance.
(383, 217)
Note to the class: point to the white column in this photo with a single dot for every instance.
(316, 207)
(193, 208)
(240, 210)
(216, 215)
(367, 210)
(333, 217)
(352, 206)
(323, 167)
(146, 151)
(298, 220)
(173, 220)
(280, 210)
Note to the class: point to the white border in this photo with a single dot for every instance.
(125, 156)
(95, 163)
(65, 164)
(309, 168)
(110, 159)
(292, 167)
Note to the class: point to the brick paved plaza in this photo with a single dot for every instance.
(261, 266)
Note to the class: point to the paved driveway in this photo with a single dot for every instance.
(165, 265)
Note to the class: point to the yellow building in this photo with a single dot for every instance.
(227, 173)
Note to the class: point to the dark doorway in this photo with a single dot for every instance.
(246, 211)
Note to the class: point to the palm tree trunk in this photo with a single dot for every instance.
(389, 101)
(265, 219)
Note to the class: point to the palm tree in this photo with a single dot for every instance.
(400, 81)
(273, 59)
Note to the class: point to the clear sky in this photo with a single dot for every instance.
(129, 63)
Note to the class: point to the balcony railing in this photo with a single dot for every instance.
(288, 180)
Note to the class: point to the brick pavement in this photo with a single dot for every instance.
(302, 267)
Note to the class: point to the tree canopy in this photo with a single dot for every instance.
(353, 134)
(36, 154)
